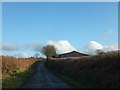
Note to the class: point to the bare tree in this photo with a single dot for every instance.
(49, 51)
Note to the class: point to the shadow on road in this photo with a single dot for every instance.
(42, 78)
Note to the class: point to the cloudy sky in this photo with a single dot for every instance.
(83, 27)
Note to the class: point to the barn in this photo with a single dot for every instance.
(71, 54)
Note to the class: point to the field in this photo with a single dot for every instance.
(99, 71)
(16, 71)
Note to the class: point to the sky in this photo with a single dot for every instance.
(80, 26)
(60, 0)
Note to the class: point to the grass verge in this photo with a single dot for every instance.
(68, 79)
(15, 79)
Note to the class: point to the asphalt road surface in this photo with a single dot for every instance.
(42, 78)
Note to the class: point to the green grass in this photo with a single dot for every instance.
(86, 80)
(82, 83)
(15, 79)
(70, 81)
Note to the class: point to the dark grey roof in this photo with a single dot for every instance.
(74, 52)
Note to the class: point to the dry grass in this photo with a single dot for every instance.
(13, 64)
(93, 71)
(16, 71)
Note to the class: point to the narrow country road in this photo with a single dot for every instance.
(44, 79)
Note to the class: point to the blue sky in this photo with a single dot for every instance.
(78, 23)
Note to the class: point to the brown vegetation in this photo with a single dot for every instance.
(99, 71)
(16, 71)
(12, 64)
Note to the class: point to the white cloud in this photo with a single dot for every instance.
(34, 46)
(92, 46)
(39, 55)
(22, 55)
(95, 45)
(111, 48)
(62, 46)
(8, 47)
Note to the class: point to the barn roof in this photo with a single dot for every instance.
(74, 52)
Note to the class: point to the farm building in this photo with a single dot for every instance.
(71, 54)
